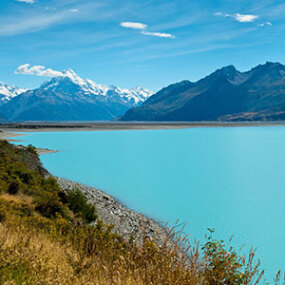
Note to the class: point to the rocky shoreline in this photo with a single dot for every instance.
(127, 223)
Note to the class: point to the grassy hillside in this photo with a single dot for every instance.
(45, 238)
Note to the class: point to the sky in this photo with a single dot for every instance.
(150, 43)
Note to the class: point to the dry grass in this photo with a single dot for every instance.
(27, 258)
(39, 250)
(30, 256)
(17, 199)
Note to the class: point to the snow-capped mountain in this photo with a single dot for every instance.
(8, 92)
(72, 98)
(87, 87)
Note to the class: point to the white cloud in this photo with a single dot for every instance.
(133, 25)
(157, 34)
(242, 18)
(74, 10)
(220, 14)
(26, 1)
(50, 8)
(265, 24)
(37, 70)
(142, 27)
(245, 18)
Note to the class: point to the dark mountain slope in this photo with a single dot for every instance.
(224, 95)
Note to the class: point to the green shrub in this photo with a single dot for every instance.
(221, 262)
(49, 206)
(2, 216)
(78, 203)
(32, 149)
(26, 210)
(14, 187)
(26, 177)
(51, 183)
(63, 197)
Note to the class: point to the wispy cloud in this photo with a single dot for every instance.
(160, 35)
(24, 24)
(242, 18)
(74, 10)
(133, 25)
(40, 18)
(142, 27)
(265, 24)
(38, 70)
(26, 1)
(202, 41)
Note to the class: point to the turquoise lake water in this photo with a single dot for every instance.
(230, 179)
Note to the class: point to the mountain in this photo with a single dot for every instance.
(225, 95)
(71, 98)
(8, 92)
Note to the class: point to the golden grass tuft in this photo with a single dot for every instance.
(28, 258)
(17, 199)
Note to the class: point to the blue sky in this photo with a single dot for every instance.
(151, 43)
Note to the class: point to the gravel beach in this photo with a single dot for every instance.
(127, 223)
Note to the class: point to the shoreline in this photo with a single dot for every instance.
(45, 150)
(127, 223)
(9, 137)
(112, 126)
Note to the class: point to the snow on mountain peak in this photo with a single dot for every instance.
(88, 87)
(8, 92)
(75, 78)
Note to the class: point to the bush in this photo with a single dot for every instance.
(78, 203)
(14, 188)
(26, 177)
(32, 149)
(2, 216)
(49, 206)
(224, 265)
(25, 210)
(63, 197)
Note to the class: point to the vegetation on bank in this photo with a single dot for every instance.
(45, 238)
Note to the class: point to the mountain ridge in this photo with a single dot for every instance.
(71, 98)
(224, 95)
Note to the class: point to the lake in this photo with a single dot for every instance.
(228, 178)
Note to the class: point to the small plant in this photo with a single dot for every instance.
(14, 188)
(32, 149)
(2, 216)
(26, 177)
(49, 206)
(223, 265)
(78, 203)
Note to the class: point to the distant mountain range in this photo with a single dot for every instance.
(225, 95)
(69, 98)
